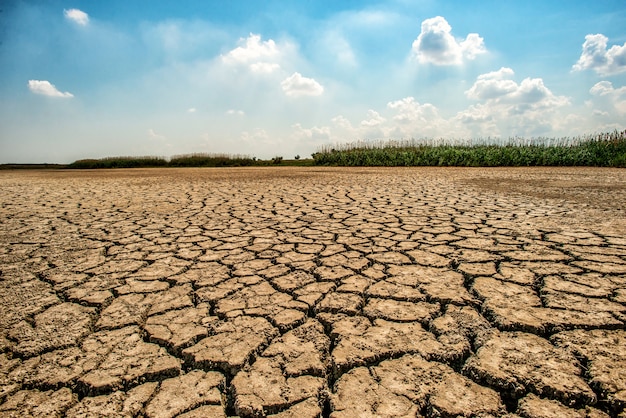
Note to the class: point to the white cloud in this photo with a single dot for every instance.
(313, 134)
(264, 67)
(476, 114)
(191, 110)
(374, 119)
(492, 85)
(260, 56)
(436, 45)
(410, 111)
(342, 122)
(77, 16)
(258, 135)
(527, 108)
(233, 112)
(295, 86)
(532, 91)
(44, 87)
(595, 56)
(497, 87)
(604, 88)
(472, 46)
(153, 135)
(413, 119)
(610, 99)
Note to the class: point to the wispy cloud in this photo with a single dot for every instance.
(436, 45)
(295, 86)
(77, 16)
(153, 135)
(44, 88)
(597, 57)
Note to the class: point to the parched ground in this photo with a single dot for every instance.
(305, 292)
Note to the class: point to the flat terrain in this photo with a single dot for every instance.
(305, 292)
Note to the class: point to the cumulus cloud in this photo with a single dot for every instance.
(492, 85)
(414, 119)
(44, 87)
(296, 85)
(597, 57)
(373, 119)
(77, 16)
(497, 87)
(313, 134)
(342, 122)
(436, 45)
(264, 67)
(526, 108)
(602, 88)
(611, 99)
(260, 56)
(403, 118)
(408, 110)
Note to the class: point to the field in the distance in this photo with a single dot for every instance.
(312, 291)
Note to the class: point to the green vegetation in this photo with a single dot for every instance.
(602, 150)
(120, 162)
(32, 166)
(186, 160)
(211, 160)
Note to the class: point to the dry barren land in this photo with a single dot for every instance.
(305, 292)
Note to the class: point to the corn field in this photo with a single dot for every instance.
(600, 150)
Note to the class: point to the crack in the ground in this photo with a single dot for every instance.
(400, 223)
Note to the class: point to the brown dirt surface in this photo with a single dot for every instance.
(313, 292)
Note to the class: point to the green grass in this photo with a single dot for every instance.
(601, 150)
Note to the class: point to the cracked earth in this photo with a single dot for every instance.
(307, 292)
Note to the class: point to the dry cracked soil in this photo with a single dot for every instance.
(307, 292)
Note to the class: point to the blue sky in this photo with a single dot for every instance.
(91, 79)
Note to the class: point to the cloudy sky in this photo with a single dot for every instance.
(91, 79)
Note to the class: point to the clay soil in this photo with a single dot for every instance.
(306, 292)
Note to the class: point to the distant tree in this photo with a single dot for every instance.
(297, 157)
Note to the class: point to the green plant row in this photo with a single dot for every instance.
(211, 160)
(119, 162)
(602, 150)
(186, 160)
